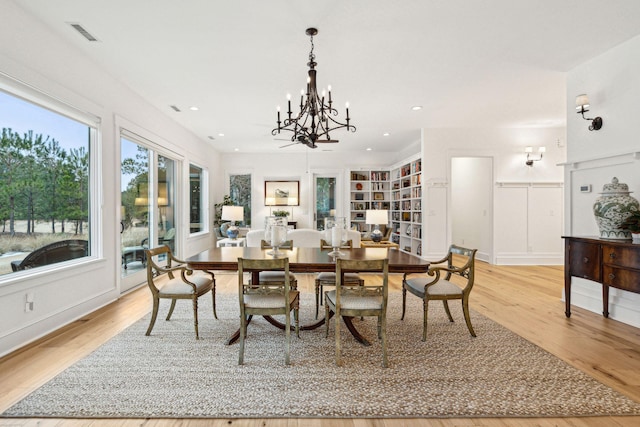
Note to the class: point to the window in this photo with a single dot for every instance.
(240, 192)
(45, 200)
(197, 213)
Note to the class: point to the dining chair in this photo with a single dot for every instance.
(275, 277)
(328, 278)
(351, 301)
(267, 299)
(174, 281)
(440, 285)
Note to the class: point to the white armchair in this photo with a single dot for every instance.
(254, 237)
(354, 236)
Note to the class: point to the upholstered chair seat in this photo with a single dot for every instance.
(172, 279)
(438, 284)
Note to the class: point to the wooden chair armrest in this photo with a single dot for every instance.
(431, 272)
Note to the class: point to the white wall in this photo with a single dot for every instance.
(612, 83)
(527, 201)
(300, 166)
(33, 55)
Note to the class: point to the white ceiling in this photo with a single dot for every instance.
(469, 63)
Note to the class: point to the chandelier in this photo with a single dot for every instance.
(316, 118)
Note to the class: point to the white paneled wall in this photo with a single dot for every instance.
(613, 85)
(525, 202)
(528, 223)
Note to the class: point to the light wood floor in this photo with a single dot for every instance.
(523, 299)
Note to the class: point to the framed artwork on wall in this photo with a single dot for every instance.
(281, 193)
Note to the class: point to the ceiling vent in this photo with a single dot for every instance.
(175, 108)
(86, 34)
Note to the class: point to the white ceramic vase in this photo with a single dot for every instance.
(612, 208)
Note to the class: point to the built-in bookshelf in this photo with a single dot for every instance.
(368, 189)
(406, 206)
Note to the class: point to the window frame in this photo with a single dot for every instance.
(41, 99)
(204, 199)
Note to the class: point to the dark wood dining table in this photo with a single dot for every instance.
(306, 260)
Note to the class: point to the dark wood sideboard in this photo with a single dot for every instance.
(614, 263)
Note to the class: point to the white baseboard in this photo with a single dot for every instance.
(623, 306)
(526, 258)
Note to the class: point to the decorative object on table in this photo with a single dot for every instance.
(226, 201)
(233, 214)
(358, 186)
(632, 225)
(315, 120)
(281, 193)
(280, 213)
(375, 218)
(582, 105)
(335, 231)
(275, 233)
(612, 208)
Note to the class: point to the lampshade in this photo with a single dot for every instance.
(542, 149)
(292, 201)
(528, 149)
(270, 201)
(582, 101)
(378, 216)
(233, 213)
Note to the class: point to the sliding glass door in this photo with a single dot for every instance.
(147, 211)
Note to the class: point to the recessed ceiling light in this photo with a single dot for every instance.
(369, 149)
(416, 107)
(193, 108)
(385, 134)
(221, 134)
(236, 149)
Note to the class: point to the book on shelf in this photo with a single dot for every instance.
(379, 176)
(356, 176)
(416, 166)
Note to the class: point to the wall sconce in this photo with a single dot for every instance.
(582, 105)
(529, 151)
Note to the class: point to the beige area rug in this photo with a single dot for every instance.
(171, 375)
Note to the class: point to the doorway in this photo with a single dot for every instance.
(472, 204)
(326, 197)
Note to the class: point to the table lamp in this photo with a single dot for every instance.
(376, 217)
(233, 214)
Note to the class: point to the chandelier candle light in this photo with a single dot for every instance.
(314, 122)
